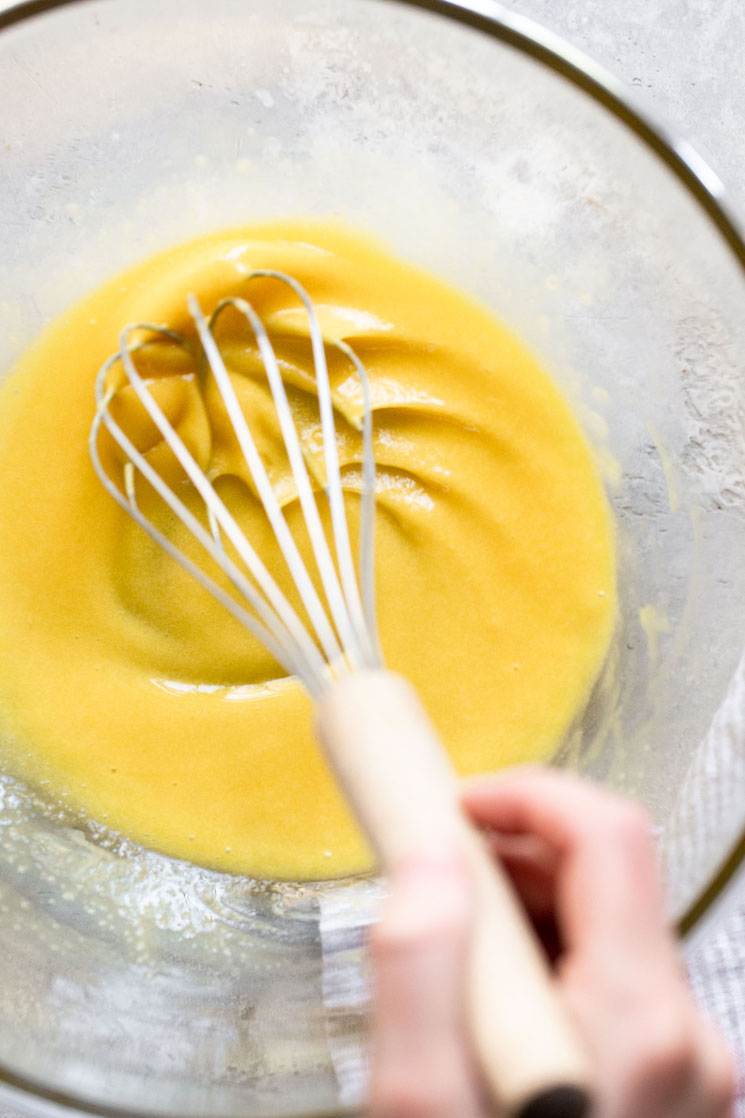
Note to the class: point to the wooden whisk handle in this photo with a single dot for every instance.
(398, 780)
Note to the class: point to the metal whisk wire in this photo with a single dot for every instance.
(344, 637)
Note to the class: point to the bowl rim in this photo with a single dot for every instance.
(693, 171)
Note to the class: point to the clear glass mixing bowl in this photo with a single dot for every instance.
(483, 149)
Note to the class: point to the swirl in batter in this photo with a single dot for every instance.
(128, 691)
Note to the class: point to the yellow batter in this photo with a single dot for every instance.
(127, 690)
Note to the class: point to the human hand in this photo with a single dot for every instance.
(583, 862)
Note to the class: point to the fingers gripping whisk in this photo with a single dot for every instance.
(338, 633)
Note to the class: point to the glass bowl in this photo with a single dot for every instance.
(485, 150)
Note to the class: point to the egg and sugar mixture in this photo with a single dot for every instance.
(127, 690)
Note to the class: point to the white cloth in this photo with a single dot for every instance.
(717, 970)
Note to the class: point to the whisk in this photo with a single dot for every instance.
(375, 734)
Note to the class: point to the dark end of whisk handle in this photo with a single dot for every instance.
(558, 1102)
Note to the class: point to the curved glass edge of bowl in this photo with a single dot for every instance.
(698, 177)
(16, 1092)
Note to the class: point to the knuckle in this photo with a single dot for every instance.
(390, 940)
(666, 1054)
(630, 822)
(720, 1079)
(403, 1095)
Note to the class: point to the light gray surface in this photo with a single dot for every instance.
(685, 58)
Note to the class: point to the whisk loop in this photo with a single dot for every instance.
(343, 633)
